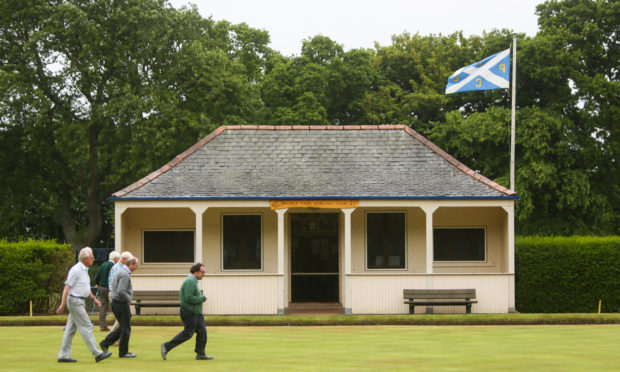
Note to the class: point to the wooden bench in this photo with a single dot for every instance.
(155, 299)
(439, 297)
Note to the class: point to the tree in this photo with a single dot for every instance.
(585, 35)
(325, 85)
(550, 175)
(94, 94)
(567, 104)
(415, 69)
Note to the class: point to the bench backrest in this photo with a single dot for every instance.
(439, 293)
(156, 295)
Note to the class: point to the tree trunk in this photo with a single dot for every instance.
(66, 221)
(92, 191)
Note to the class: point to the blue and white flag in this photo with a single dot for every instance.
(491, 73)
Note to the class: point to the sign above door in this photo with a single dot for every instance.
(328, 204)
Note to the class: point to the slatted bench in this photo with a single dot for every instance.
(155, 299)
(439, 297)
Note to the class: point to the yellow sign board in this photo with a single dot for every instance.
(331, 204)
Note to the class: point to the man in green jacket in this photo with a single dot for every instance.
(101, 282)
(191, 315)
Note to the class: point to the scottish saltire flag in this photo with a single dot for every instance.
(491, 73)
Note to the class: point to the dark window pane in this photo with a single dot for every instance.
(385, 237)
(459, 244)
(242, 242)
(168, 246)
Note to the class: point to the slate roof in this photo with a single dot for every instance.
(279, 162)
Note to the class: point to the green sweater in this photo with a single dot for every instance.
(101, 278)
(191, 298)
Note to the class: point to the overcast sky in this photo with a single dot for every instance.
(359, 23)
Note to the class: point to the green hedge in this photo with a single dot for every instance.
(553, 274)
(567, 274)
(32, 270)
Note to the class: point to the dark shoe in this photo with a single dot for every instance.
(102, 356)
(128, 355)
(66, 360)
(164, 352)
(203, 357)
(103, 347)
(104, 329)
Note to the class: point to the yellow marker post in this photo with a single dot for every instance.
(599, 306)
(30, 308)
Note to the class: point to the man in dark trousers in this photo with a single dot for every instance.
(101, 282)
(121, 297)
(191, 315)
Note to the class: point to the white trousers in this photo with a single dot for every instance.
(78, 321)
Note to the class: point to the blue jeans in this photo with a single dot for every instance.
(192, 323)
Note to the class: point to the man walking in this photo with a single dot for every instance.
(123, 260)
(101, 282)
(191, 315)
(77, 288)
(121, 297)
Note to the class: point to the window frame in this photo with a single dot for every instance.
(262, 245)
(406, 247)
(486, 251)
(167, 263)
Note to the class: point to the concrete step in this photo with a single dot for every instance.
(314, 308)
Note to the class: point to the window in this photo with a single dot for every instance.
(459, 244)
(241, 242)
(385, 240)
(168, 246)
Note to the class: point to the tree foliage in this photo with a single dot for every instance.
(95, 94)
(325, 85)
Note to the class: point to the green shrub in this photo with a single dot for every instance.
(567, 274)
(32, 270)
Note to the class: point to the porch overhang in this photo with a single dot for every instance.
(343, 197)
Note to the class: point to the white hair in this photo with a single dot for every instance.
(114, 255)
(85, 253)
(126, 255)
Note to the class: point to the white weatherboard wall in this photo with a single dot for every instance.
(368, 291)
(383, 294)
(226, 294)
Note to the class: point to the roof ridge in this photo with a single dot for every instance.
(317, 127)
(198, 145)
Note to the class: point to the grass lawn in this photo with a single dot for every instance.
(334, 348)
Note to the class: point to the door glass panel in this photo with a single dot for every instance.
(314, 257)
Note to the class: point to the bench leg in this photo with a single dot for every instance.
(468, 309)
(411, 309)
(137, 305)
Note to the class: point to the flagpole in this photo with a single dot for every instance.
(514, 100)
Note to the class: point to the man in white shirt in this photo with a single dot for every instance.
(74, 294)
